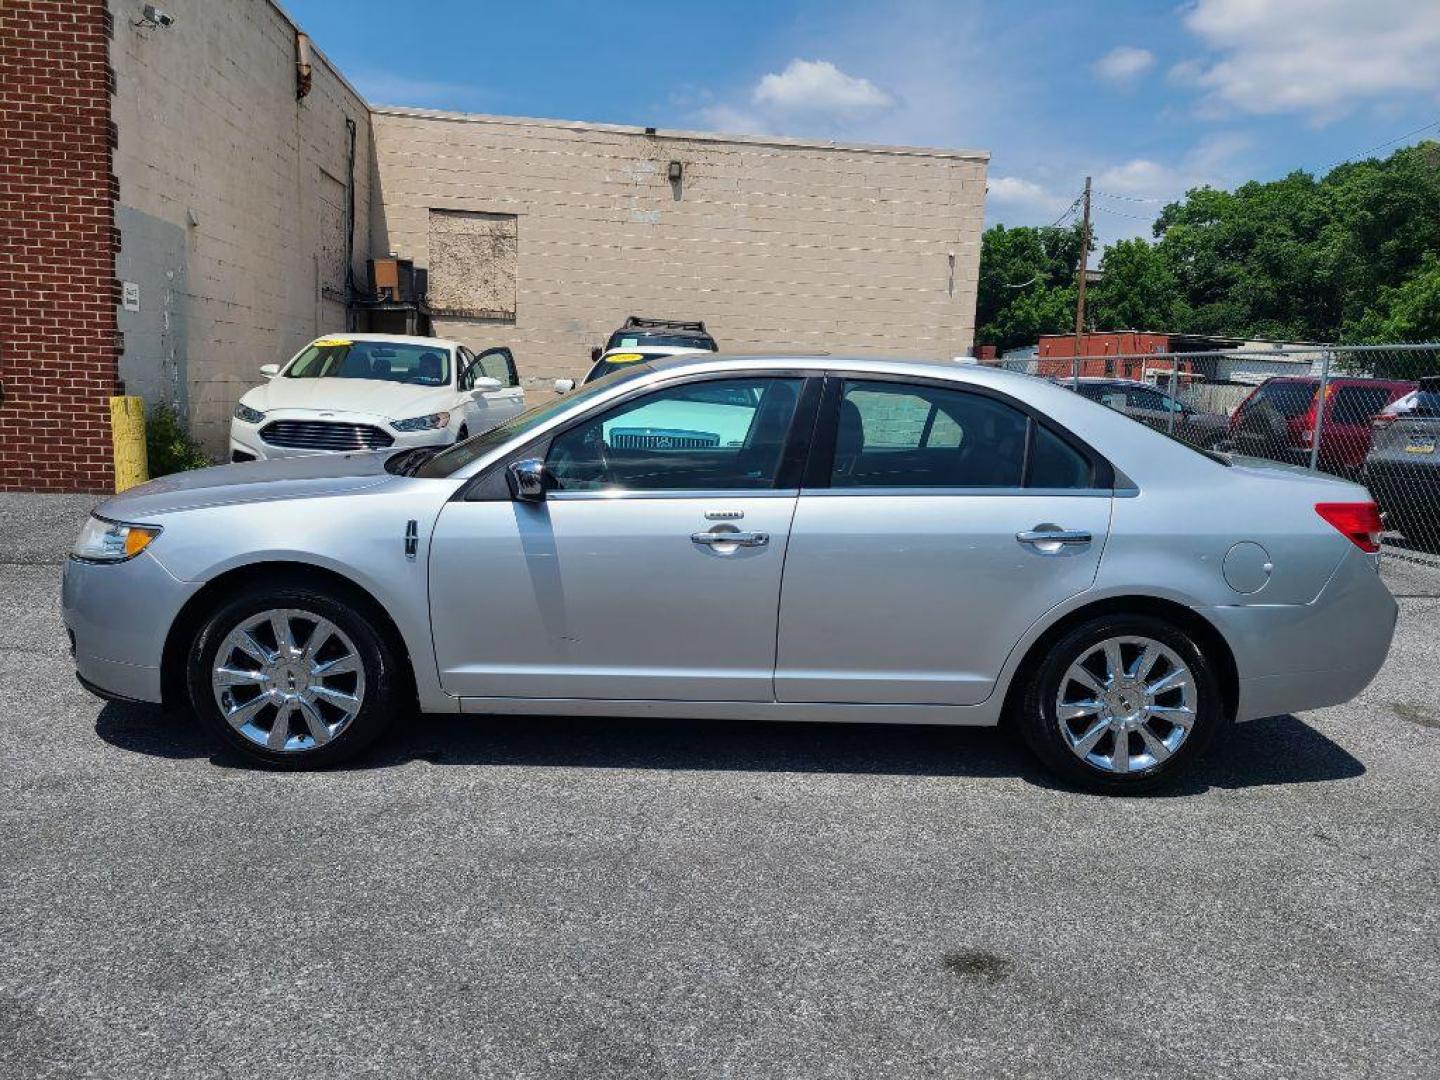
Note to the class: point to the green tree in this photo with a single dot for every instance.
(1137, 290)
(1027, 284)
(1403, 313)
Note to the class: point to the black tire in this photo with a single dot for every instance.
(462, 434)
(384, 682)
(1038, 725)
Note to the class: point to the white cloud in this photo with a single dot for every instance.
(1321, 58)
(1124, 64)
(1019, 195)
(818, 86)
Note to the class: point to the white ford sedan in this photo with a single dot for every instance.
(373, 392)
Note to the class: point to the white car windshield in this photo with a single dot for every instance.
(381, 361)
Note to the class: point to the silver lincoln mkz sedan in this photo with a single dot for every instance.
(790, 538)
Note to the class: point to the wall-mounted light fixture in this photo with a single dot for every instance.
(675, 172)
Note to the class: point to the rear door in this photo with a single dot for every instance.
(936, 525)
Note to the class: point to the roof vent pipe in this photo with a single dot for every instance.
(302, 65)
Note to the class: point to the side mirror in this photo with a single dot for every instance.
(482, 386)
(564, 386)
(527, 480)
(596, 353)
(269, 370)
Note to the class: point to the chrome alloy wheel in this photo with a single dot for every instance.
(1126, 704)
(288, 680)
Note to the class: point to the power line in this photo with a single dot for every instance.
(1121, 213)
(1383, 145)
(1129, 198)
(1070, 210)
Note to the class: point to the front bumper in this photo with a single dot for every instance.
(118, 615)
(247, 445)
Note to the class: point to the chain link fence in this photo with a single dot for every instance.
(1368, 413)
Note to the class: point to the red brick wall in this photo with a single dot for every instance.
(58, 354)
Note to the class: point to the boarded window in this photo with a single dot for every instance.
(472, 265)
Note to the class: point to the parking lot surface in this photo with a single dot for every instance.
(590, 898)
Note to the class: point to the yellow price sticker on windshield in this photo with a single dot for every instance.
(327, 342)
(624, 357)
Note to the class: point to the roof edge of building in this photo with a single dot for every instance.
(418, 113)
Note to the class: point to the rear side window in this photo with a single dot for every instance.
(898, 435)
(1287, 399)
(1357, 404)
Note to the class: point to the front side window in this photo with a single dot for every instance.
(723, 434)
(380, 361)
(897, 435)
(498, 364)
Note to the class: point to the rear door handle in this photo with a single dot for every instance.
(739, 539)
(1053, 536)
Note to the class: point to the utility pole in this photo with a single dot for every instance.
(1080, 282)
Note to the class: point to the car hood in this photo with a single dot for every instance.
(255, 481)
(395, 401)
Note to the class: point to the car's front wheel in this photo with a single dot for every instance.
(1121, 703)
(292, 677)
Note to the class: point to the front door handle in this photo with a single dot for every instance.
(1053, 536)
(739, 539)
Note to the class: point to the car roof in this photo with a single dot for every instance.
(394, 339)
(924, 369)
(666, 331)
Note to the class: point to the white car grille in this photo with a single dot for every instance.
(324, 435)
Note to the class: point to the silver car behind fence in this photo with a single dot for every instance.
(778, 538)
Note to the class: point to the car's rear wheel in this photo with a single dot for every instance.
(462, 434)
(292, 677)
(1121, 703)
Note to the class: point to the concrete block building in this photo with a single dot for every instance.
(185, 202)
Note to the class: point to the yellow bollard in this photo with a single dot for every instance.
(127, 430)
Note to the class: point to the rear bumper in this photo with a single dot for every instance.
(1307, 656)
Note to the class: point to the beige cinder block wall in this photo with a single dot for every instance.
(232, 201)
(775, 243)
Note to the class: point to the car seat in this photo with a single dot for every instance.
(430, 368)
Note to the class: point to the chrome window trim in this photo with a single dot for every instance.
(626, 495)
(963, 492)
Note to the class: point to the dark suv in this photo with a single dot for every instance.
(1402, 469)
(1144, 403)
(1278, 419)
(639, 331)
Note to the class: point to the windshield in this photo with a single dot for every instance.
(622, 339)
(611, 363)
(472, 449)
(380, 361)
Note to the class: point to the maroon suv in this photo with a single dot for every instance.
(1280, 417)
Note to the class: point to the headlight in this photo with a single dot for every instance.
(112, 541)
(423, 423)
(249, 415)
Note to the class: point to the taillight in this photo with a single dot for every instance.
(1359, 521)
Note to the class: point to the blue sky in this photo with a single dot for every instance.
(1149, 98)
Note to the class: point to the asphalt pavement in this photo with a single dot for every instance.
(528, 897)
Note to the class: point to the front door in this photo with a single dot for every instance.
(652, 568)
(484, 411)
(948, 522)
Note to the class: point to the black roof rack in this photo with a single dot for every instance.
(636, 322)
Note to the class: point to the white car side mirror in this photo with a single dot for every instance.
(564, 386)
(269, 370)
(482, 386)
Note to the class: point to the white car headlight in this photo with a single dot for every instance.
(433, 422)
(112, 541)
(249, 415)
